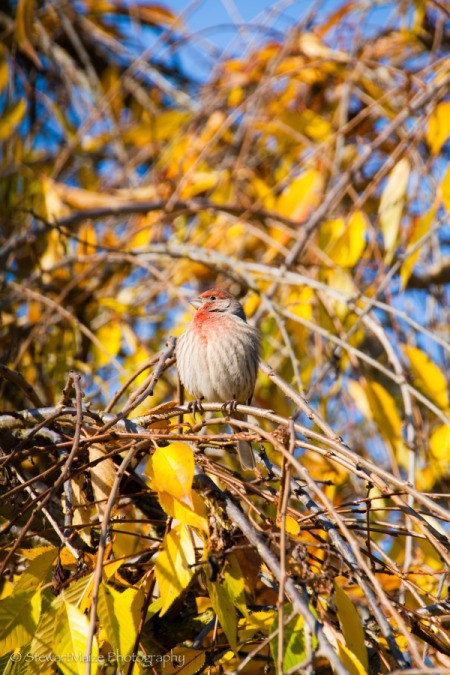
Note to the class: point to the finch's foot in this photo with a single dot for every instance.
(196, 407)
(229, 407)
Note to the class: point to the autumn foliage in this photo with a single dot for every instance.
(307, 172)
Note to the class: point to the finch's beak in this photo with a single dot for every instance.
(196, 302)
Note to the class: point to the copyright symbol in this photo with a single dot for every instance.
(16, 657)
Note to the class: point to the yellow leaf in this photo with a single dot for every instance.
(391, 206)
(291, 525)
(341, 279)
(261, 621)
(353, 241)
(37, 572)
(157, 15)
(129, 538)
(251, 304)
(438, 465)
(87, 239)
(235, 96)
(19, 616)
(307, 123)
(182, 661)
(71, 628)
(301, 196)
(173, 471)
(32, 553)
(83, 511)
(263, 192)
(351, 661)
(24, 27)
(427, 377)
(4, 73)
(54, 206)
(445, 189)
(79, 198)
(344, 241)
(312, 46)
(440, 444)
(421, 228)
(102, 477)
(300, 301)
(11, 118)
(53, 253)
(195, 516)
(110, 336)
(384, 410)
(350, 622)
(174, 566)
(111, 566)
(6, 589)
(119, 614)
(234, 584)
(77, 593)
(163, 127)
(438, 129)
(378, 405)
(200, 181)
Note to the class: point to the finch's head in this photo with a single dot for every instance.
(218, 300)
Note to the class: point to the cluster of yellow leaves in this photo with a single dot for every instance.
(171, 475)
(342, 241)
(172, 472)
(378, 404)
(33, 622)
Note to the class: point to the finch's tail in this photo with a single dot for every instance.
(246, 455)
(245, 451)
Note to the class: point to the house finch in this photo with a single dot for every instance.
(218, 355)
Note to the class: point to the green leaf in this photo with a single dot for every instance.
(293, 642)
(223, 605)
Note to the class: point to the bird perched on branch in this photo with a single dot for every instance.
(218, 356)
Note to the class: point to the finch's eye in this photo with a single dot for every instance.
(213, 297)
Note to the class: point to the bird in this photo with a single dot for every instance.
(218, 356)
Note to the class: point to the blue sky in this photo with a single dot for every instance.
(232, 27)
